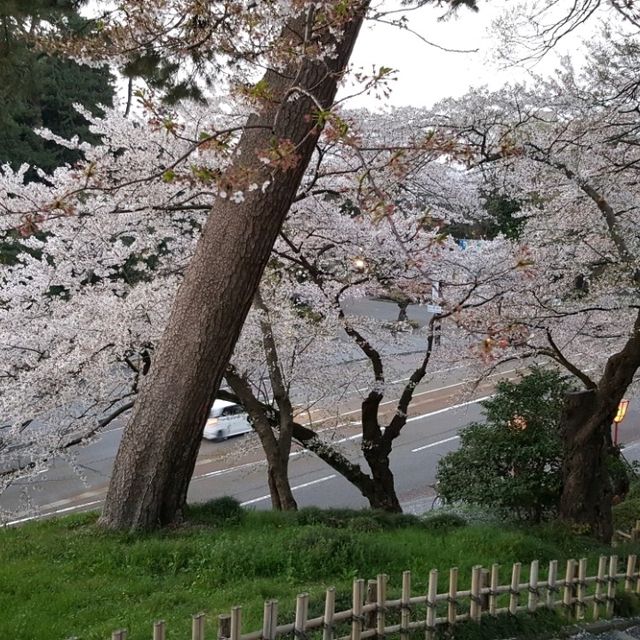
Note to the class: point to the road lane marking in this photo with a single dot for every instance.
(415, 395)
(357, 436)
(222, 472)
(300, 486)
(435, 444)
(451, 408)
(433, 413)
(51, 513)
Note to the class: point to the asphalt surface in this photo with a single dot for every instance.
(236, 467)
(630, 633)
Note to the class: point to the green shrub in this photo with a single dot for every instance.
(512, 462)
(320, 551)
(221, 511)
(364, 524)
(341, 518)
(443, 522)
(626, 513)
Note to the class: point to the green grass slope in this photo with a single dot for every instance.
(66, 578)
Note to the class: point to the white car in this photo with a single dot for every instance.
(226, 419)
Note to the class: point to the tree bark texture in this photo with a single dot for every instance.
(587, 491)
(159, 447)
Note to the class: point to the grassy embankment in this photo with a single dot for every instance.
(64, 578)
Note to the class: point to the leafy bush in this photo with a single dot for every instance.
(318, 551)
(443, 522)
(225, 510)
(627, 512)
(366, 519)
(512, 462)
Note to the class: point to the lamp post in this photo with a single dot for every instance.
(618, 418)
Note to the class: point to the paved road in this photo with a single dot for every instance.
(236, 467)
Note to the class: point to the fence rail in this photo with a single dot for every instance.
(374, 615)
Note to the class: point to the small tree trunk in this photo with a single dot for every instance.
(279, 486)
(383, 495)
(276, 450)
(273, 490)
(159, 447)
(280, 489)
(376, 450)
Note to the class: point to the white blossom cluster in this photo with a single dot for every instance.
(567, 152)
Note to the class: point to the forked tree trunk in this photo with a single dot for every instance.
(159, 447)
(383, 494)
(279, 487)
(586, 492)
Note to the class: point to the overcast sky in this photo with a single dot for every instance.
(427, 74)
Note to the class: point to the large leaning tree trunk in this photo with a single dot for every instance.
(159, 447)
(586, 492)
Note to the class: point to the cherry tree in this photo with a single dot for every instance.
(304, 47)
(567, 153)
(362, 233)
(95, 289)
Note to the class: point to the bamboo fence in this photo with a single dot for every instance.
(374, 615)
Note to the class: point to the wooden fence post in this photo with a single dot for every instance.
(197, 627)
(432, 603)
(270, 620)
(405, 605)
(474, 605)
(484, 584)
(552, 588)
(514, 591)
(302, 613)
(370, 617)
(329, 610)
(598, 598)
(567, 598)
(224, 626)
(159, 631)
(629, 577)
(532, 601)
(493, 596)
(581, 589)
(356, 609)
(611, 587)
(236, 623)
(382, 604)
(452, 608)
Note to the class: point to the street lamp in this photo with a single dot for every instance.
(618, 418)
